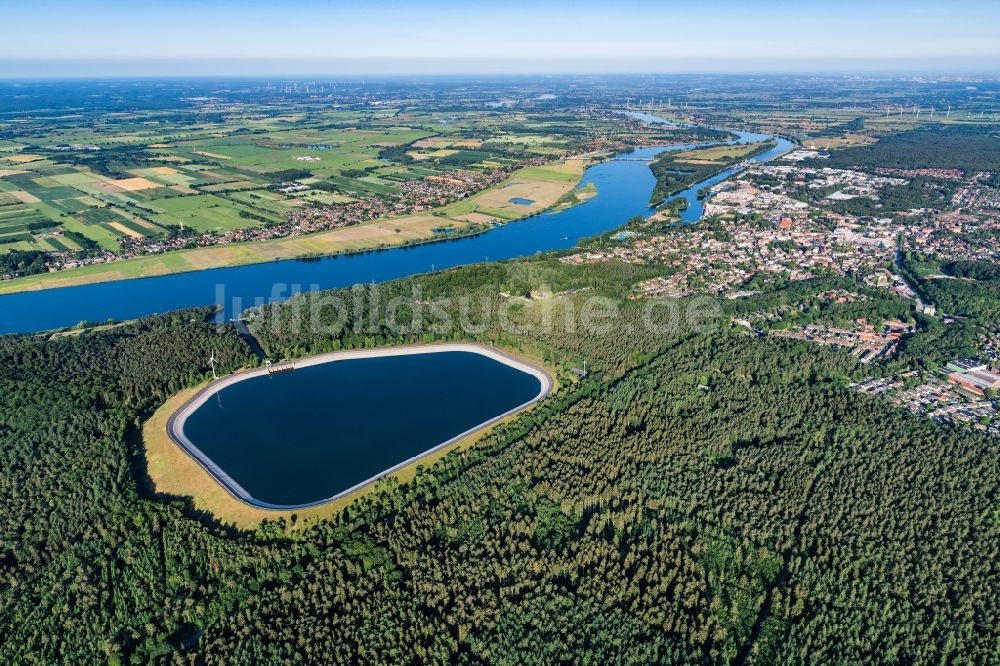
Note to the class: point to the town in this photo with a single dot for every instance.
(795, 220)
(963, 393)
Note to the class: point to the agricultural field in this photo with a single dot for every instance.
(115, 183)
(48, 206)
(204, 212)
(528, 191)
(549, 185)
(175, 187)
(716, 153)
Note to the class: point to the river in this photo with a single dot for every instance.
(623, 191)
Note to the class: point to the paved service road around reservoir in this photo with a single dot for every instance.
(176, 422)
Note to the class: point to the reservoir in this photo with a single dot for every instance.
(623, 191)
(340, 421)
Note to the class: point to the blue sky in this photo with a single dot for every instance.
(389, 36)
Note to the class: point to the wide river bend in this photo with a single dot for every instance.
(623, 191)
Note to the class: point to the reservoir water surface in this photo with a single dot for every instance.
(302, 437)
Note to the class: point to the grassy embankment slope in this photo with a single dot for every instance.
(542, 185)
(174, 473)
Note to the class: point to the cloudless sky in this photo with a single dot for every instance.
(447, 36)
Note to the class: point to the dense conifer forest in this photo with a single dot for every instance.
(701, 496)
(971, 148)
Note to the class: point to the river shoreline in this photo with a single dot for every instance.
(623, 190)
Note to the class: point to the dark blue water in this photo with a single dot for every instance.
(623, 190)
(304, 436)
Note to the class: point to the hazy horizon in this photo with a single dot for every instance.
(26, 70)
(109, 38)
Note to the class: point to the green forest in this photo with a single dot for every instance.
(675, 172)
(701, 496)
(967, 148)
(18, 263)
(969, 289)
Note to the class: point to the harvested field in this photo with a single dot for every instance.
(215, 156)
(24, 197)
(22, 159)
(118, 226)
(132, 185)
(477, 218)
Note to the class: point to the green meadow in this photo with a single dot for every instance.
(213, 174)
